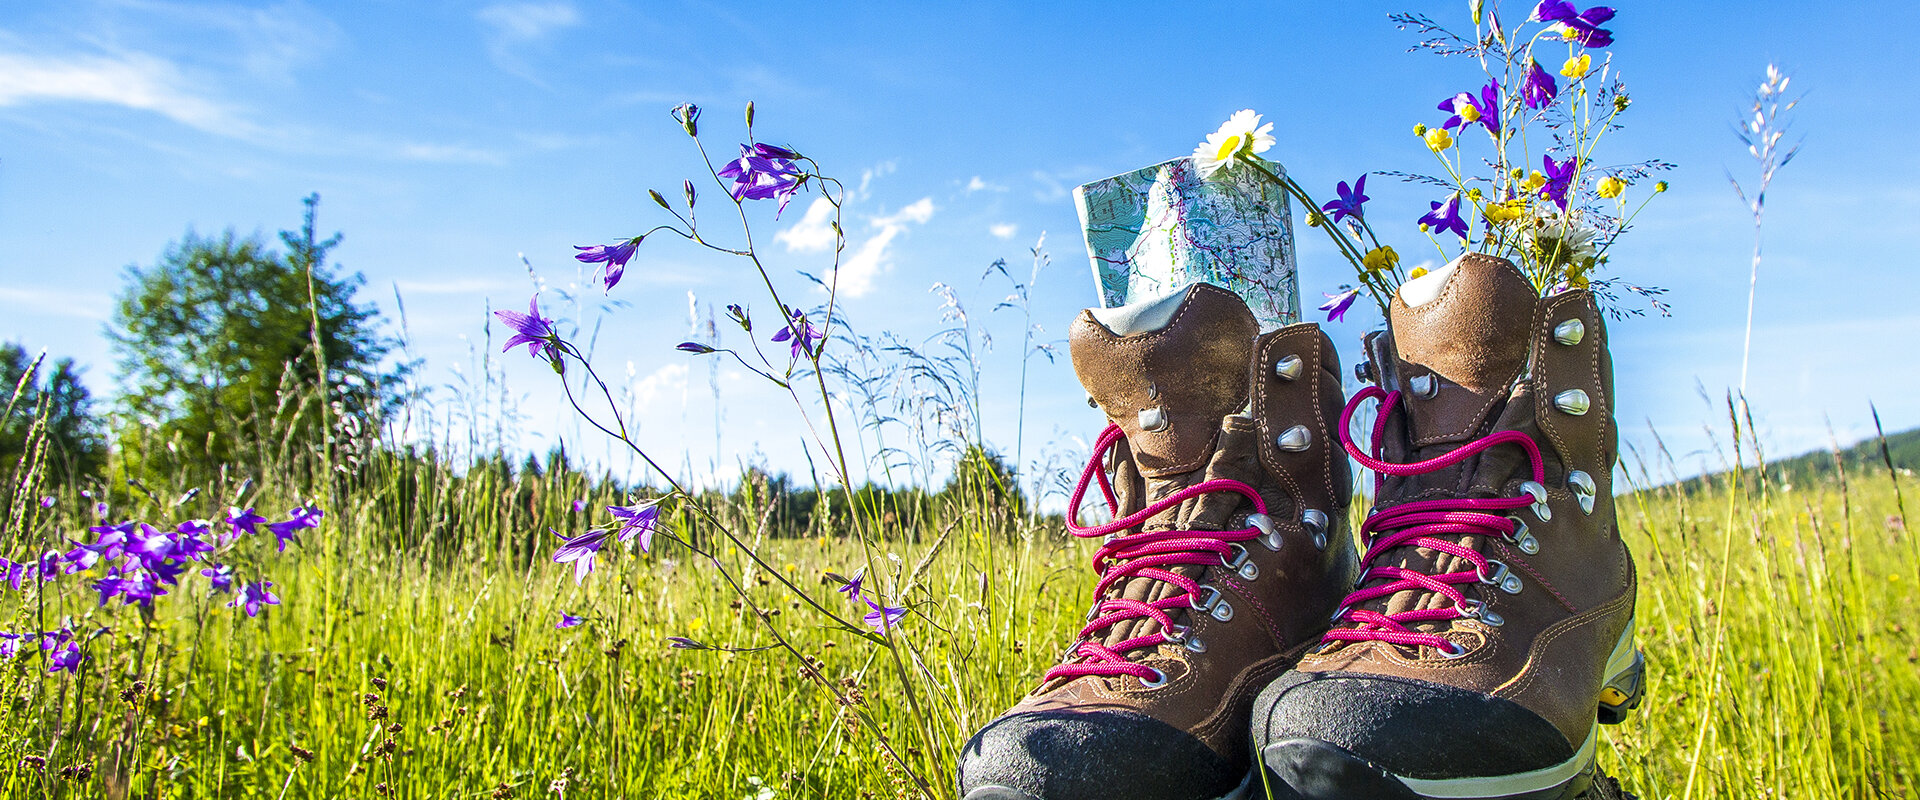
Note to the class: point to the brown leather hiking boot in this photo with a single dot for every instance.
(1492, 625)
(1228, 550)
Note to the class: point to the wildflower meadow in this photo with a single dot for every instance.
(347, 583)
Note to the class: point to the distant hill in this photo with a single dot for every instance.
(1862, 458)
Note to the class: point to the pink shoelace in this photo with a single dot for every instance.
(1415, 524)
(1142, 555)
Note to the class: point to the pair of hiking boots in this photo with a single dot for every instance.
(1469, 652)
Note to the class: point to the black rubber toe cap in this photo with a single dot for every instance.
(1084, 755)
(1411, 728)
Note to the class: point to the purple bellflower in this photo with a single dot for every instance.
(255, 595)
(580, 551)
(764, 171)
(1584, 24)
(244, 521)
(852, 587)
(299, 518)
(799, 332)
(883, 617)
(1350, 199)
(1559, 179)
(579, 506)
(220, 577)
(638, 520)
(47, 502)
(14, 573)
(100, 510)
(613, 256)
(532, 330)
(568, 620)
(9, 645)
(66, 659)
(1539, 89)
(1467, 109)
(1445, 216)
(1337, 304)
(684, 643)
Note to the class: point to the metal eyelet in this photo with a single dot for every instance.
(1502, 577)
(1424, 386)
(1210, 595)
(1288, 369)
(1584, 489)
(1268, 536)
(1296, 439)
(1523, 537)
(1176, 634)
(1154, 420)
(1477, 609)
(1240, 563)
(1315, 521)
(1452, 651)
(1539, 494)
(1223, 611)
(1194, 645)
(1159, 680)
(1338, 613)
(1570, 332)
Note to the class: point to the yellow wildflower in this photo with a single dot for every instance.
(1508, 211)
(1534, 182)
(1438, 140)
(1417, 272)
(1610, 187)
(1659, 187)
(1576, 67)
(1380, 259)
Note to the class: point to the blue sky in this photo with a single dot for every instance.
(447, 139)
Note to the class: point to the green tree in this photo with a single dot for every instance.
(221, 346)
(48, 419)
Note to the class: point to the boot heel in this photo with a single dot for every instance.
(1622, 693)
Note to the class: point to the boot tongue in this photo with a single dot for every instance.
(1460, 334)
(1167, 372)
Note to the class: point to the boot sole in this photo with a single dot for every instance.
(1245, 791)
(1317, 770)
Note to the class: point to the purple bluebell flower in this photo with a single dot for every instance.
(532, 330)
(299, 518)
(9, 645)
(1467, 109)
(47, 502)
(695, 348)
(1559, 179)
(684, 643)
(799, 332)
(613, 257)
(220, 577)
(255, 595)
(579, 506)
(1350, 200)
(1539, 89)
(48, 567)
(244, 521)
(568, 620)
(852, 587)
(763, 171)
(83, 557)
(1584, 24)
(15, 573)
(1445, 216)
(580, 551)
(1337, 304)
(65, 659)
(883, 617)
(638, 520)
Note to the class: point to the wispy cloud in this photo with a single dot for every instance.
(813, 233)
(857, 272)
(514, 28)
(447, 154)
(57, 303)
(976, 184)
(130, 80)
(1003, 230)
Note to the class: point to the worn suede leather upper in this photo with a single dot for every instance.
(1488, 340)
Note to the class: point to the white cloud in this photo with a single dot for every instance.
(813, 233)
(57, 303)
(447, 154)
(1003, 230)
(670, 380)
(132, 80)
(517, 26)
(856, 274)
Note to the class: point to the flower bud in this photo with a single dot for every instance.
(1621, 101)
(688, 115)
(1419, 129)
(1660, 187)
(749, 114)
(739, 316)
(659, 198)
(688, 189)
(695, 348)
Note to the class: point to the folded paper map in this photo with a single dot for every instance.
(1156, 230)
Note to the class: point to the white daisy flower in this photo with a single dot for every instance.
(1563, 244)
(1242, 133)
